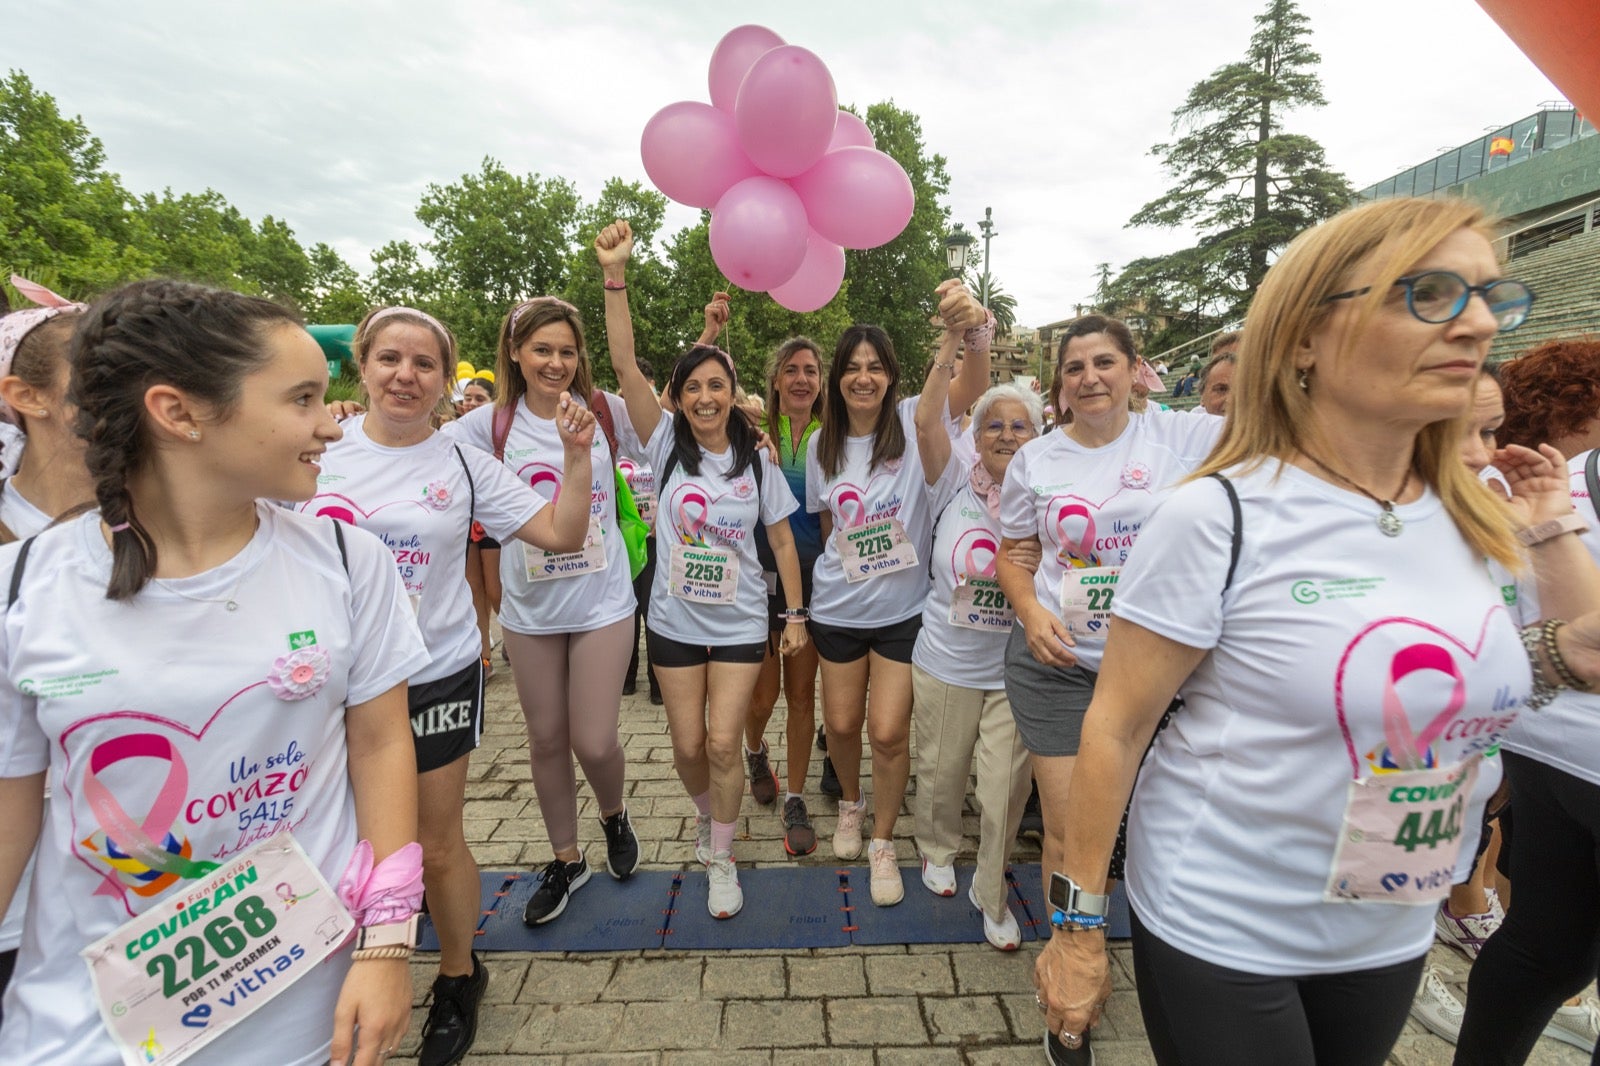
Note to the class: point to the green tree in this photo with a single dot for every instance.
(1001, 303)
(1243, 181)
(62, 214)
(892, 285)
(334, 291)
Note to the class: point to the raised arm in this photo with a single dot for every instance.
(933, 442)
(562, 526)
(962, 312)
(613, 247)
(716, 319)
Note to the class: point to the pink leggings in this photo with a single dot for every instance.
(570, 687)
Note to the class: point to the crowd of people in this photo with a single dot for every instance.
(1285, 664)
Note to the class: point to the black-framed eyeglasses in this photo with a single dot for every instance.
(1018, 427)
(1439, 296)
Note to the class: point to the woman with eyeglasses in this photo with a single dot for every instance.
(1318, 592)
(567, 617)
(961, 713)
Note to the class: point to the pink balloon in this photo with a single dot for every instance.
(817, 280)
(857, 197)
(691, 152)
(851, 131)
(786, 111)
(735, 54)
(758, 233)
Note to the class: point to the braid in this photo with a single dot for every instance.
(202, 341)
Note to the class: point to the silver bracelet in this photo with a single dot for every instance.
(1543, 691)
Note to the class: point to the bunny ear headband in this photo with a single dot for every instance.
(18, 324)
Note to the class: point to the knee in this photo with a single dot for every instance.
(891, 740)
(442, 842)
(723, 751)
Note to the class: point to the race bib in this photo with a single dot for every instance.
(1401, 836)
(703, 575)
(875, 549)
(547, 566)
(979, 604)
(646, 503)
(172, 980)
(1086, 597)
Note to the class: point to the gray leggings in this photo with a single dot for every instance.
(570, 687)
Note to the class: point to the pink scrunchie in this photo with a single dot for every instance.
(386, 893)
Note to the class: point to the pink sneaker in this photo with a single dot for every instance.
(847, 833)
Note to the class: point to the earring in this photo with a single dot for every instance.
(194, 434)
(1304, 380)
(43, 412)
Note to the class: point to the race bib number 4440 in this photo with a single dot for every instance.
(183, 973)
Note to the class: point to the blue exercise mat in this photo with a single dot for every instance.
(790, 907)
(785, 907)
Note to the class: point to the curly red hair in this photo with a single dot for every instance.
(1551, 392)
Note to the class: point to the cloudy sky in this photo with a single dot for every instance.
(334, 116)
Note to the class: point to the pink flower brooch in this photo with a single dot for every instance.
(300, 674)
(437, 495)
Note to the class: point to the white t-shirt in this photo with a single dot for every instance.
(24, 520)
(174, 664)
(712, 509)
(642, 482)
(12, 444)
(1088, 505)
(860, 495)
(1236, 817)
(574, 604)
(419, 502)
(1564, 733)
(966, 541)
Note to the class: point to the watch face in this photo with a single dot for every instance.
(1060, 891)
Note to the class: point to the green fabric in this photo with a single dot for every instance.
(634, 529)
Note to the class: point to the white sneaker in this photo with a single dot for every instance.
(1578, 1026)
(847, 833)
(940, 880)
(1437, 1008)
(702, 838)
(725, 897)
(1005, 934)
(1467, 932)
(887, 888)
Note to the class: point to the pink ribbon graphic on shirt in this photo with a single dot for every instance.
(541, 475)
(134, 840)
(1082, 551)
(975, 541)
(1408, 750)
(689, 526)
(852, 508)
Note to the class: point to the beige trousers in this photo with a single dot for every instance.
(959, 731)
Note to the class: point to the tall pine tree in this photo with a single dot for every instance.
(1244, 182)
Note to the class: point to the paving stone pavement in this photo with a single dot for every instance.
(910, 1005)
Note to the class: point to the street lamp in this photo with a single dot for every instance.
(955, 249)
(987, 226)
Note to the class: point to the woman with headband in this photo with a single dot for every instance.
(706, 628)
(420, 492)
(567, 616)
(51, 478)
(239, 723)
(864, 478)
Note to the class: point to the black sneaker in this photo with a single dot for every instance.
(829, 785)
(622, 847)
(561, 880)
(1032, 824)
(655, 697)
(1058, 1054)
(763, 782)
(822, 738)
(452, 1022)
(798, 836)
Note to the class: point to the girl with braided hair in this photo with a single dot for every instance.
(202, 809)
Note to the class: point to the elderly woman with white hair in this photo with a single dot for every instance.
(961, 712)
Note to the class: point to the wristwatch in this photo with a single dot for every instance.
(1073, 909)
(393, 934)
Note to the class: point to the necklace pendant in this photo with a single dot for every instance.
(232, 606)
(1390, 524)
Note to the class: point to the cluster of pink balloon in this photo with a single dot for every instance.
(790, 179)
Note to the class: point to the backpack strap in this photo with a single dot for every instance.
(338, 537)
(602, 414)
(1591, 479)
(472, 490)
(16, 571)
(1238, 531)
(502, 430)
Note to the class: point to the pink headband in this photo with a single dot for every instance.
(18, 324)
(388, 312)
(537, 301)
(727, 360)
